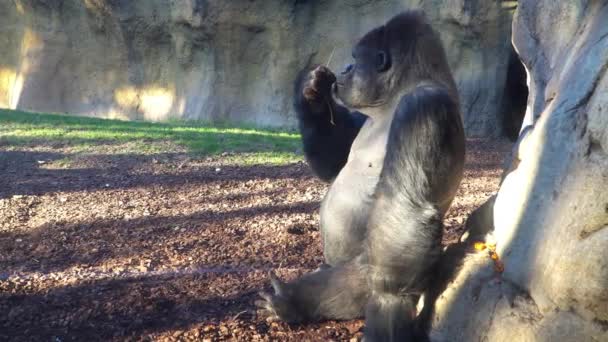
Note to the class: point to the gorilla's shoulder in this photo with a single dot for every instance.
(426, 99)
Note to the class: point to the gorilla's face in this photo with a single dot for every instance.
(367, 81)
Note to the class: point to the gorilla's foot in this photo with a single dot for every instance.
(278, 306)
(339, 292)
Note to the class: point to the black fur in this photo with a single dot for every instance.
(422, 169)
(394, 175)
(326, 143)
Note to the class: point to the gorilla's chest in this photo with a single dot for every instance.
(349, 198)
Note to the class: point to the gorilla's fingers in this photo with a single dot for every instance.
(261, 304)
(320, 68)
(310, 94)
(320, 86)
(322, 71)
(267, 302)
(322, 79)
(266, 307)
(268, 314)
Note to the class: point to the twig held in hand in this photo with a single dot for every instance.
(331, 110)
(331, 55)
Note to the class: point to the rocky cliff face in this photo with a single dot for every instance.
(551, 213)
(223, 60)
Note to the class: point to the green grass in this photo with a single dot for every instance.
(89, 135)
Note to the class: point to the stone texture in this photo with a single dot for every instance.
(223, 60)
(551, 212)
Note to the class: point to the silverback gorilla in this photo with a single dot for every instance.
(394, 164)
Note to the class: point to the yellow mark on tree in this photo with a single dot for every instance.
(491, 247)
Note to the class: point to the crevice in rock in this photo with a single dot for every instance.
(515, 98)
(583, 101)
(586, 233)
(492, 316)
(596, 147)
(603, 324)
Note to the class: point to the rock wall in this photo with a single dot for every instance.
(223, 60)
(551, 213)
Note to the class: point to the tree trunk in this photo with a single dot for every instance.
(550, 216)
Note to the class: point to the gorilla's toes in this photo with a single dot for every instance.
(277, 306)
(265, 307)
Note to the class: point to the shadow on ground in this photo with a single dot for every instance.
(90, 311)
(24, 173)
(119, 247)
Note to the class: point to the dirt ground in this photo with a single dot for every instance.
(167, 247)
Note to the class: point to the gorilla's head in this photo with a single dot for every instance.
(389, 59)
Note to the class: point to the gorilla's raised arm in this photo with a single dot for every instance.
(327, 129)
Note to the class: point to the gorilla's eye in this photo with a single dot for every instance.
(382, 61)
(347, 69)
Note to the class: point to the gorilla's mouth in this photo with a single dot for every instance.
(337, 89)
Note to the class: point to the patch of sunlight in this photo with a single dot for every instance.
(57, 133)
(116, 114)
(59, 164)
(12, 81)
(16, 90)
(126, 97)
(509, 5)
(129, 147)
(31, 42)
(507, 216)
(89, 135)
(7, 80)
(263, 158)
(96, 6)
(240, 131)
(19, 7)
(181, 107)
(155, 103)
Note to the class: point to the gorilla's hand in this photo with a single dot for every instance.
(317, 87)
(278, 306)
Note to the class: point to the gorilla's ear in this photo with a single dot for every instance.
(383, 62)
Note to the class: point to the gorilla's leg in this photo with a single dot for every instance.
(421, 172)
(338, 292)
(343, 231)
(402, 261)
(449, 265)
(477, 226)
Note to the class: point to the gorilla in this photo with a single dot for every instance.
(394, 160)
